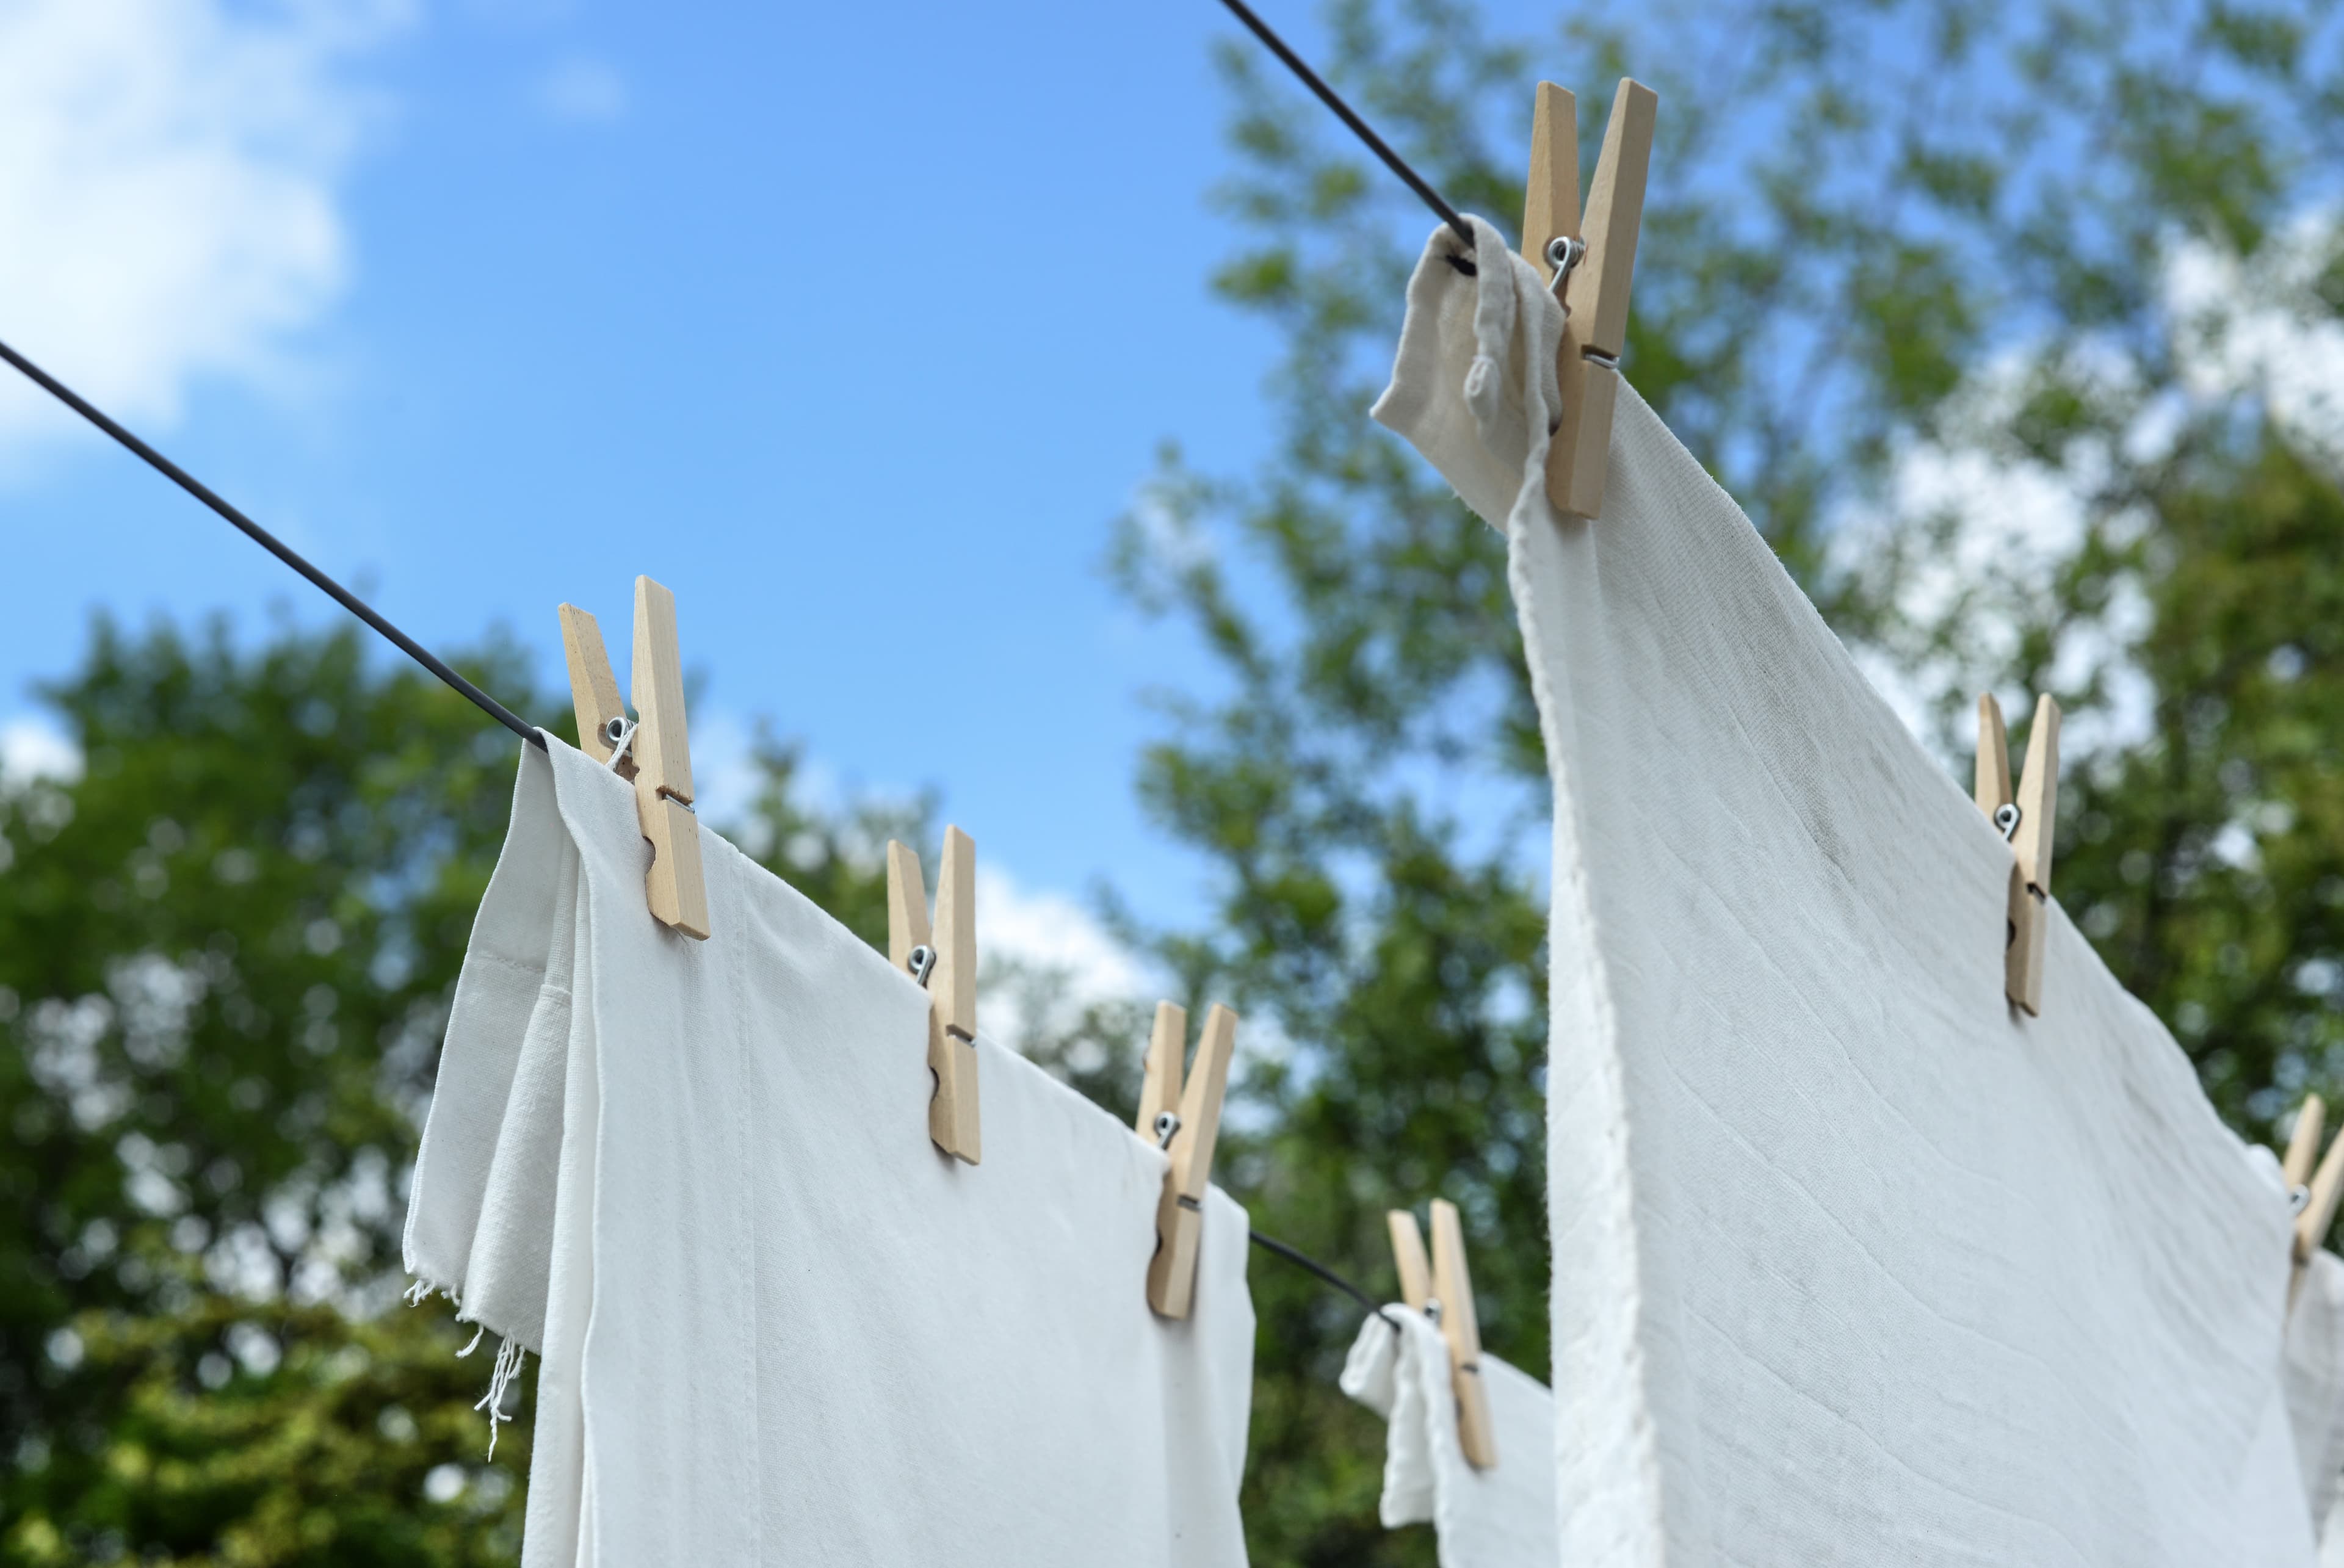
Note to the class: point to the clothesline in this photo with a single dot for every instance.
(438, 667)
(425, 657)
(527, 732)
(1360, 127)
(274, 545)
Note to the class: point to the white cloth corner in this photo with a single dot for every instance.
(1853, 1261)
(775, 1324)
(1474, 385)
(1499, 1518)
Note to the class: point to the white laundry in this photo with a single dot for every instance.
(2315, 1389)
(1852, 1262)
(1498, 1518)
(776, 1325)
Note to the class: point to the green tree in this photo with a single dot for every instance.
(1901, 260)
(227, 949)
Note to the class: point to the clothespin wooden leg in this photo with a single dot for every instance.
(1452, 1286)
(1408, 1257)
(1180, 1211)
(2303, 1143)
(1595, 295)
(593, 690)
(2311, 1226)
(1445, 1290)
(945, 963)
(663, 756)
(908, 913)
(1159, 1089)
(952, 1119)
(1992, 790)
(659, 758)
(2027, 820)
(2030, 883)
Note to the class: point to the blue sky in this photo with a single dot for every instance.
(855, 326)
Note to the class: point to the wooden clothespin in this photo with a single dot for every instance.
(2322, 1188)
(1598, 268)
(2027, 821)
(659, 754)
(1444, 1290)
(1187, 1135)
(945, 963)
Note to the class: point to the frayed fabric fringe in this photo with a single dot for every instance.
(510, 1356)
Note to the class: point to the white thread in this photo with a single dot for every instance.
(417, 1293)
(510, 1355)
(478, 1330)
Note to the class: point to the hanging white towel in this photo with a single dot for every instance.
(1497, 1518)
(776, 1325)
(1853, 1263)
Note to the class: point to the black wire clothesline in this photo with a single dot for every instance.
(274, 545)
(529, 732)
(1360, 127)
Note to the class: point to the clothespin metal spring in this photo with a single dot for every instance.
(1563, 253)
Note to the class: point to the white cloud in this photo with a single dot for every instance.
(1048, 930)
(2254, 325)
(579, 91)
(1048, 936)
(725, 777)
(169, 185)
(31, 750)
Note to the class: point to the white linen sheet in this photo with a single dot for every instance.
(1854, 1262)
(776, 1325)
(1502, 1517)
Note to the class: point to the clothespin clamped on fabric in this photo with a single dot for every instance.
(1444, 1290)
(2026, 822)
(946, 963)
(1187, 1135)
(1594, 269)
(2316, 1192)
(659, 748)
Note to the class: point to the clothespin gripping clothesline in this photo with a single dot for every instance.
(2027, 820)
(657, 758)
(2316, 1193)
(1442, 1289)
(1591, 272)
(1187, 1135)
(943, 959)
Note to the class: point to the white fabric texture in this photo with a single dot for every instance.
(2314, 1385)
(1499, 1518)
(775, 1324)
(1854, 1262)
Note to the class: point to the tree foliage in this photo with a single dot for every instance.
(2002, 321)
(226, 950)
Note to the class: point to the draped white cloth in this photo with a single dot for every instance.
(1502, 1517)
(776, 1325)
(1854, 1262)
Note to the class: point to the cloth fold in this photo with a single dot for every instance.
(1854, 1262)
(2315, 1391)
(1502, 1517)
(774, 1323)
